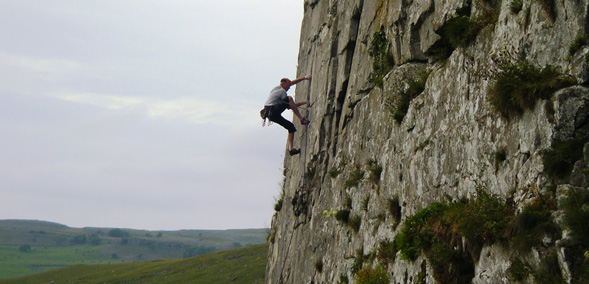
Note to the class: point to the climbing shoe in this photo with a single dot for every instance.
(294, 152)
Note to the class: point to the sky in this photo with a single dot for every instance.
(143, 114)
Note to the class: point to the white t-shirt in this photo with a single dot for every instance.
(277, 96)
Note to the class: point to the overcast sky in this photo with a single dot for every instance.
(143, 114)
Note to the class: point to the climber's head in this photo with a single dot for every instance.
(285, 83)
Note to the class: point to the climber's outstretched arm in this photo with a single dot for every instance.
(297, 80)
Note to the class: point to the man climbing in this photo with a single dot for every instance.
(277, 102)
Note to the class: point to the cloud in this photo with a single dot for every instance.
(36, 64)
(191, 110)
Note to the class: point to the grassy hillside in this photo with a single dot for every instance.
(28, 246)
(243, 265)
(14, 262)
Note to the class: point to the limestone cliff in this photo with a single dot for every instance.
(369, 164)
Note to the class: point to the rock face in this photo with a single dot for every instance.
(444, 147)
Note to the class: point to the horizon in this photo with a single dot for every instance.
(125, 228)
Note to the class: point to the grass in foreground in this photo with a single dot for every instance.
(244, 265)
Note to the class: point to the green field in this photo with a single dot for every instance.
(14, 262)
(28, 246)
(243, 265)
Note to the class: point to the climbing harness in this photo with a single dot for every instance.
(266, 112)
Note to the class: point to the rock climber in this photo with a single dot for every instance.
(277, 102)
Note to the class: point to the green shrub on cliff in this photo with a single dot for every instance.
(559, 161)
(579, 42)
(519, 85)
(533, 224)
(354, 179)
(383, 60)
(372, 275)
(460, 31)
(438, 231)
(399, 105)
(576, 219)
(375, 170)
(516, 6)
(355, 222)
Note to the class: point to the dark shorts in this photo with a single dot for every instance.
(276, 116)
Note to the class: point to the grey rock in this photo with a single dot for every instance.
(444, 145)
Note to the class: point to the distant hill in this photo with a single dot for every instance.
(30, 246)
(243, 265)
